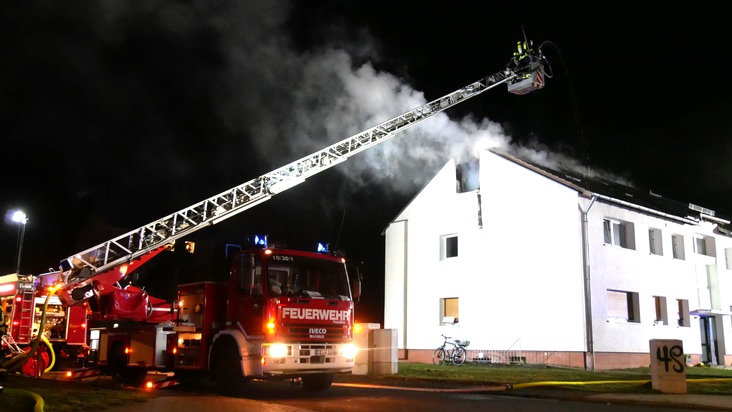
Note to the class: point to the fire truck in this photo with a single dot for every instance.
(282, 314)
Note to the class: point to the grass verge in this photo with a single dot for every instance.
(66, 396)
(700, 380)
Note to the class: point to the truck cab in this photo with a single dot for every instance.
(284, 314)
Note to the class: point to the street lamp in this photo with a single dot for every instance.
(20, 218)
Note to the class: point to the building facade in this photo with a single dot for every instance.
(541, 266)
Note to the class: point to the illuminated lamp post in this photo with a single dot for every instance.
(21, 219)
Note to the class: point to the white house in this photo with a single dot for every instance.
(541, 266)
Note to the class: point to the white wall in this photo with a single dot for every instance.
(518, 278)
(651, 275)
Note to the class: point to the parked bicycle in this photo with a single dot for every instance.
(452, 351)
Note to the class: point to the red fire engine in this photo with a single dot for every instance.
(282, 314)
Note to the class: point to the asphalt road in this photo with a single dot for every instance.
(359, 397)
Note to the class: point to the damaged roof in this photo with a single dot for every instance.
(614, 192)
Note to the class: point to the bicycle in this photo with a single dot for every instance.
(455, 354)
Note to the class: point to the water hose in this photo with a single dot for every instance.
(53, 354)
(563, 383)
(638, 381)
(39, 402)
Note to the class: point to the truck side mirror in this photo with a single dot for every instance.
(355, 276)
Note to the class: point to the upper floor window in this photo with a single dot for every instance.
(704, 245)
(655, 241)
(677, 247)
(700, 247)
(618, 233)
(448, 246)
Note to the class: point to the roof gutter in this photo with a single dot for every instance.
(645, 209)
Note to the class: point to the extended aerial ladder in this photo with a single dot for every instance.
(96, 271)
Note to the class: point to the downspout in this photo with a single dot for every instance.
(590, 354)
(480, 211)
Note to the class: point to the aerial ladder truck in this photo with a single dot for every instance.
(267, 329)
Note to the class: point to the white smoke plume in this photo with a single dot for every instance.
(304, 101)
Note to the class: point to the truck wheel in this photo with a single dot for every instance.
(227, 366)
(318, 382)
(134, 377)
(117, 362)
(189, 378)
(120, 372)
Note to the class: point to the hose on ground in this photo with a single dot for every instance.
(39, 402)
(53, 354)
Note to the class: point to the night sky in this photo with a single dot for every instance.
(115, 114)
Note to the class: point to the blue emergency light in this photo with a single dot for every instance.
(260, 240)
(322, 248)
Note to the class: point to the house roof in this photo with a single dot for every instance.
(592, 185)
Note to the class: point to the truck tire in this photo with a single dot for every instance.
(227, 371)
(117, 362)
(317, 382)
(120, 372)
(189, 378)
(134, 377)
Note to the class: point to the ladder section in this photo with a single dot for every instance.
(24, 309)
(213, 210)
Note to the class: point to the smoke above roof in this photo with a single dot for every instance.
(306, 100)
(199, 86)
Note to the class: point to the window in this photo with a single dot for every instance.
(618, 233)
(704, 245)
(449, 247)
(622, 306)
(661, 310)
(677, 246)
(655, 242)
(449, 312)
(700, 248)
(728, 256)
(683, 313)
(243, 273)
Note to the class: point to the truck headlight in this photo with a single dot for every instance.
(279, 350)
(350, 350)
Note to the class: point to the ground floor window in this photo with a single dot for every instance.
(661, 310)
(683, 319)
(449, 310)
(622, 306)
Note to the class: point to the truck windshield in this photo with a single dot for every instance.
(302, 276)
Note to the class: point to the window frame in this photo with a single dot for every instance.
(677, 247)
(621, 302)
(655, 241)
(449, 310)
(683, 318)
(661, 308)
(618, 233)
(448, 250)
(700, 245)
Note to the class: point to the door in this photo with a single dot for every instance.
(245, 294)
(708, 329)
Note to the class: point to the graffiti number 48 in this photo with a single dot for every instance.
(672, 358)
